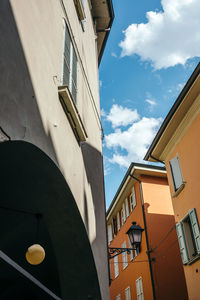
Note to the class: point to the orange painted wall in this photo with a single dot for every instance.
(139, 266)
(188, 150)
(167, 267)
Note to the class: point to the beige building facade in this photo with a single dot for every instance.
(50, 104)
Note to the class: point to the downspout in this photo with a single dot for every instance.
(146, 234)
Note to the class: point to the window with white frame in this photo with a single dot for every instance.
(70, 66)
(110, 236)
(114, 221)
(116, 266)
(189, 237)
(139, 289)
(118, 297)
(126, 208)
(176, 173)
(128, 293)
(124, 256)
(123, 215)
(132, 200)
(118, 221)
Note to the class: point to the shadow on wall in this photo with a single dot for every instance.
(32, 182)
(165, 254)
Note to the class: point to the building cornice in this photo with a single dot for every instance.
(135, 169)
(175, 116)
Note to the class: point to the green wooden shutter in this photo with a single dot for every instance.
(195, 228)
(176, 172)
(182, 243)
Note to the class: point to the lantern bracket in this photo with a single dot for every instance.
(113, 251)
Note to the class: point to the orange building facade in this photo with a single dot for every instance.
(177, 144)
(155, 270)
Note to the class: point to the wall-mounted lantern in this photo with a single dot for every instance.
(135, 235)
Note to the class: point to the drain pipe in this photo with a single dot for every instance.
(147, 240)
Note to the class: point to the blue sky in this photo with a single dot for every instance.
(150, 54)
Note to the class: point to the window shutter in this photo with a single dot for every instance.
(132, 200)
(139, 289)
(109, 234)
(195, 228)
(176, 172)
(124, 256)
(118, 221)
(74, 76)
(182, 243)
(127, 208)
(118, 297)
(67, 51)
(128, 293)
(116, 266)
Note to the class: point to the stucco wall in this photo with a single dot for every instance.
(31, 55)
(188, 153)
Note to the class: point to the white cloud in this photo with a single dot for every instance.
(121, 116)
(151, 102)
(134, 141)
(113, 54)
(168, 38)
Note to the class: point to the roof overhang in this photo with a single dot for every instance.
(136, 170)
(103, 15)
(175, 116)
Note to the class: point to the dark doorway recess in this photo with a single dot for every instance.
(32, 184)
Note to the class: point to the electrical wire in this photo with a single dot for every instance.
(164, 238)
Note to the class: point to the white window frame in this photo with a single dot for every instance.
(124, 256)
(139, 289)
(128, 293)
(126, 208)
(133, 201)
(116, 266)
(123, 214)
(188, 233)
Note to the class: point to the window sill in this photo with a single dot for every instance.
(72, 113)
(179, 190)
(193, 260)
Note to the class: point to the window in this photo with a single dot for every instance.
(118, 297)
(123, 215)
(118, 222)
(127, 208)
(116, 266)
(176, 173)
(115, 226)
(124, 256)
(128, 293)
(189, 237)
(70, 66)
(132, 200)
(139, 289)
(109, 234)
